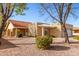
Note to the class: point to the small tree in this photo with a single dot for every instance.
(6, 11)
(60, 14)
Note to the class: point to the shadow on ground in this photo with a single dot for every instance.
(6, 44)
(25, 44)
(77, 42)
(59, 48)
(74, 42)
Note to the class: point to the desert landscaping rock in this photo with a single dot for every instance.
(27, 47)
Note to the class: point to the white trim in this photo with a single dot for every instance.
(42, 31)
(75, 33)
(44, 25)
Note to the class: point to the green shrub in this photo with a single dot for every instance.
(76, 37)
(43, 42)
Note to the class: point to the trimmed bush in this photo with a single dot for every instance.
(43, 42)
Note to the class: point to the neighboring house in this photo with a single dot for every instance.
(75, 31)
(19, 28)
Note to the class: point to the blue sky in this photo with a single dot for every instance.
(33, 15)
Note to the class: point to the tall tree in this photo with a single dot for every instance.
(60, 14)
(6, 11)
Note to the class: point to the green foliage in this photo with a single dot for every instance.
(76, 37)
(8, 8)
(0, 21)
(43, 42)
(19, 8)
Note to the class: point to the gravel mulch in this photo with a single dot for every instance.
(27, 47)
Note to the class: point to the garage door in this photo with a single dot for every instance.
(69, 31)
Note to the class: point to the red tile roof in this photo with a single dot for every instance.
(20, 23)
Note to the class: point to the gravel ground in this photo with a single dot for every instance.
(27, 47)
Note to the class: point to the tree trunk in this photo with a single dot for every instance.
(0, 35)
(65, 33)
(2, 29)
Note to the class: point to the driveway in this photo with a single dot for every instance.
(27, 47)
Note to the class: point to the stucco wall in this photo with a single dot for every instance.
(60, 32)
(9, 30)
(51, 31)
(39, 31)
(10, 26)
(55, 32)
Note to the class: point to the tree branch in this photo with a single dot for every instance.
(10, 13)
(2, 10)
(67, 12)
(49, 13)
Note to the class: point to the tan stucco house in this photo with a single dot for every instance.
(16, 28)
